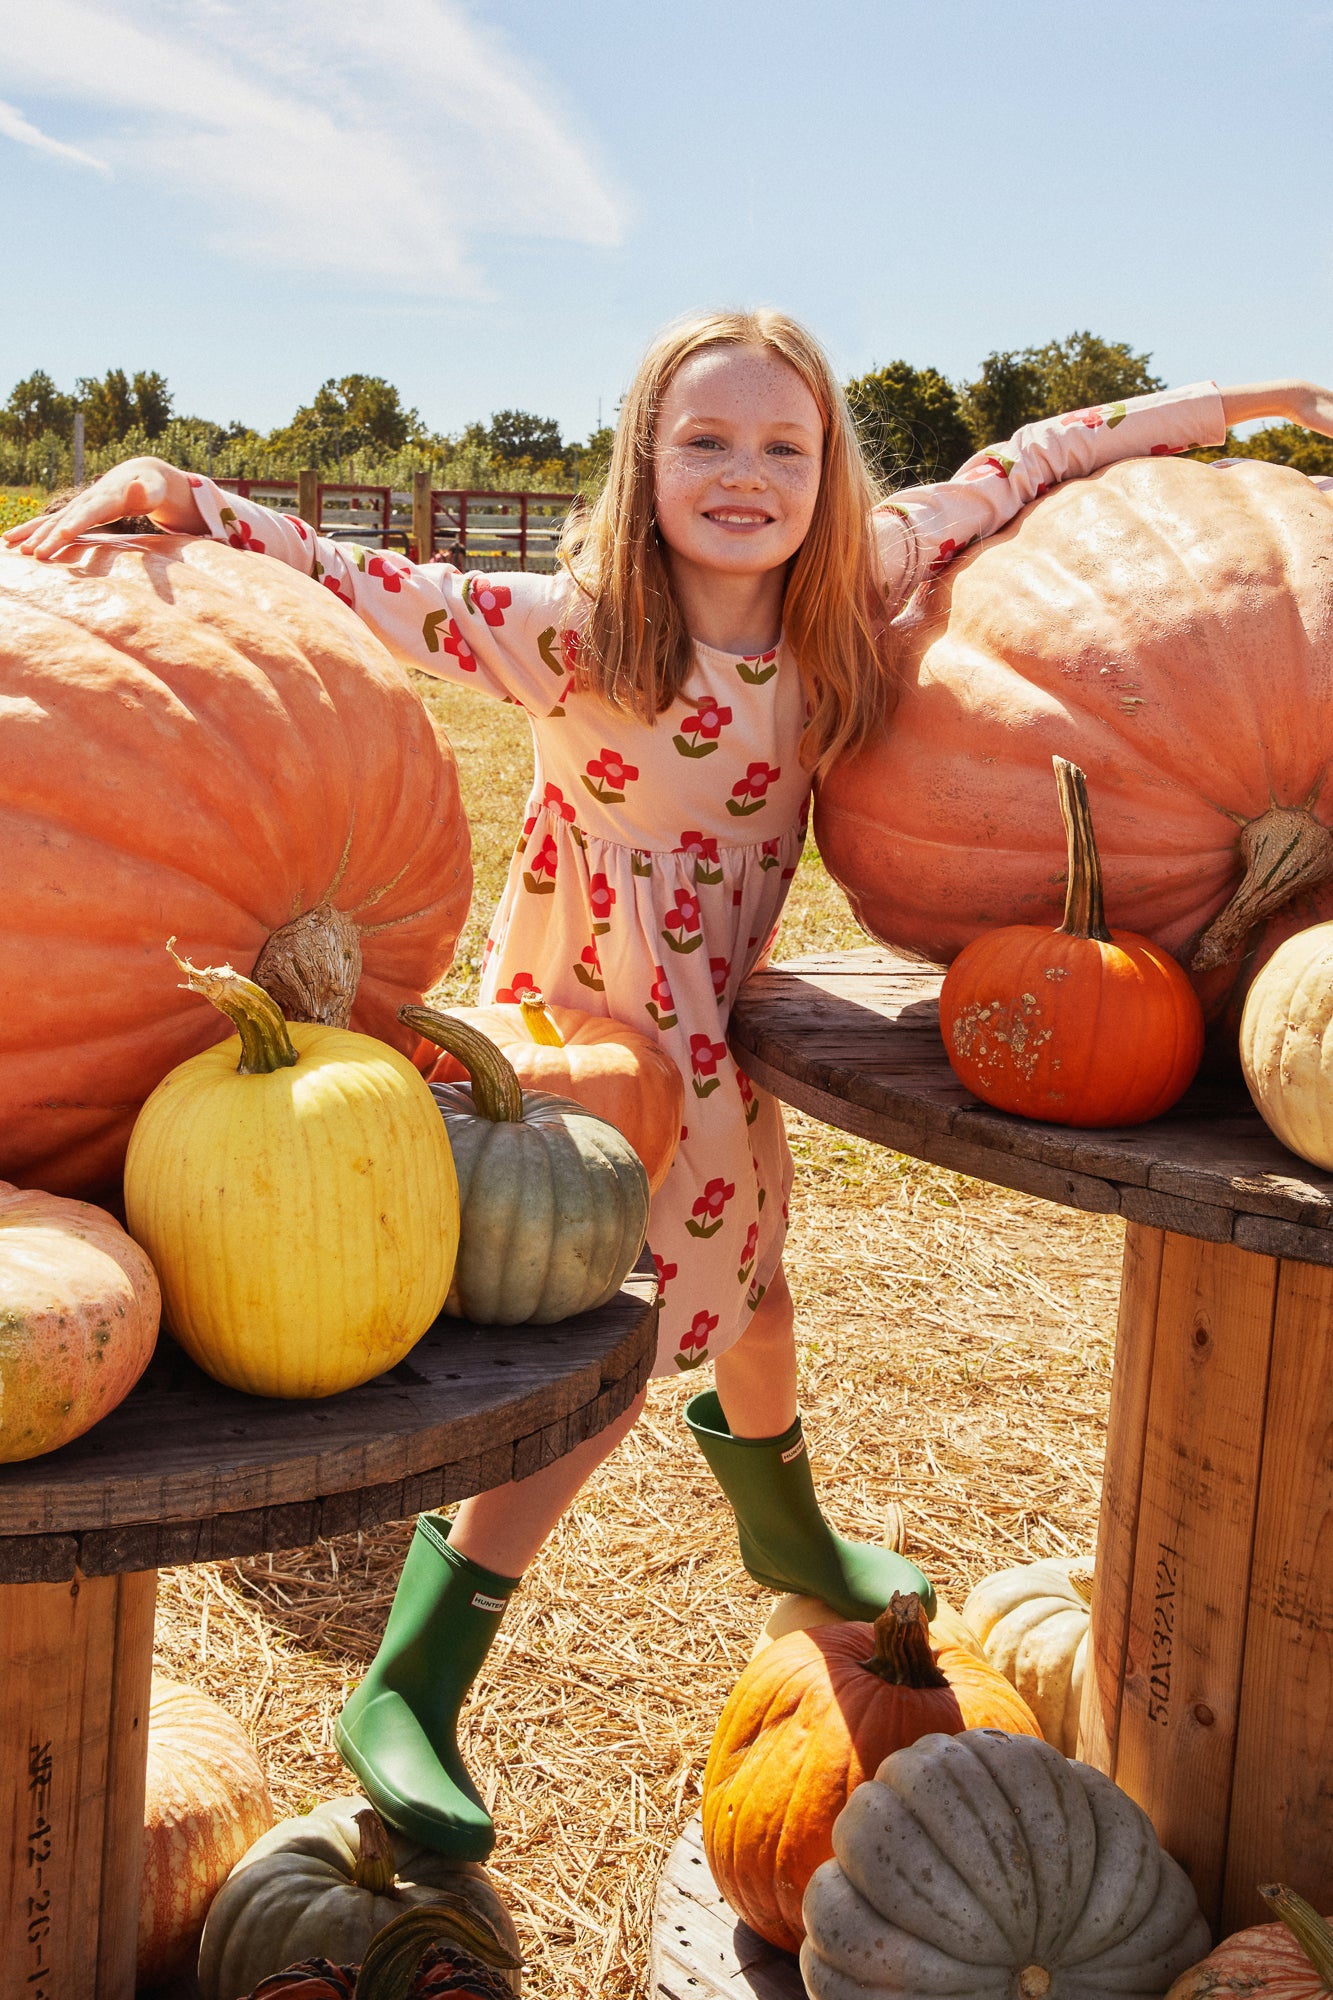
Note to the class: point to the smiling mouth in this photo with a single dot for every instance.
(735, 517)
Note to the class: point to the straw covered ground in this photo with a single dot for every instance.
(955, 1349)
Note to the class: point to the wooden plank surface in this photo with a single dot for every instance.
(186, 1470)
(700, 1950)
(853, 1038)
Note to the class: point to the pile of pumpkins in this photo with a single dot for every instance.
(305, 1194)
(902, 1806)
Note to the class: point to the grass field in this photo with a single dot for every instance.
(955, 1357)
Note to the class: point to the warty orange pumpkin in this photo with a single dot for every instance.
(197, 741)
(1166, 625)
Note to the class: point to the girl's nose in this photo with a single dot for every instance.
(744, 468)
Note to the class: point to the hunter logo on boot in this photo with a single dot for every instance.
(793, 1451)
(482, 1603)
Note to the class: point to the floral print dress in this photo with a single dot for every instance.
(653, 862)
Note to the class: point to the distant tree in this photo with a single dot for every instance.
(152, 402)
(910, 422)
(514, 434)
(1016, 388)
(1008, 392)
(593, 458)
(108, 407)
(35, 405)
(347, 415)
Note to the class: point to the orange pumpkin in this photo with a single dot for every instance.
(1081, 1025)
(1289, 1960)
(811, 1717)
(205, 1803)
(205, 743)
(605, 1066)
(1169, 627)
(79, 1311)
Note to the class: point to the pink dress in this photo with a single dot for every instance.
(654, 860)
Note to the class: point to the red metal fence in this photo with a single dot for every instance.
(494, 530)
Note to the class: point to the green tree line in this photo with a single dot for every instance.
(915, 423)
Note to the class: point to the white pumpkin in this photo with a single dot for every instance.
(1286, 1044)
(1032, 1622)
(989, 1865)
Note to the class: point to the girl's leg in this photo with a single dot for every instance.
(397, 1732)
(750, 1433)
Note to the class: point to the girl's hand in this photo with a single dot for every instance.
(1302, 403)
(139, 486)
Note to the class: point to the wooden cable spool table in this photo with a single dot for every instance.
(187, 1471)
(1209, 1694)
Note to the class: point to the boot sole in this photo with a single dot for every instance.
(445, 1837)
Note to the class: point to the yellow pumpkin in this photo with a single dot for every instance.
(1032, 1621)
(205, 1803)
(295, 1191)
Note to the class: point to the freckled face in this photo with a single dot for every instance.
(738, 454)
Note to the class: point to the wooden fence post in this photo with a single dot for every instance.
(423, 517)
(307, 496)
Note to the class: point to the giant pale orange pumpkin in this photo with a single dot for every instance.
(204, 742)
(1289, 1960)
(607, 1067)
(811, 1717)
(1167, 626)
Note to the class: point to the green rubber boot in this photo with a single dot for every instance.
(397, 1731)
(786, 1544)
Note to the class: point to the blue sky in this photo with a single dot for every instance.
(498, 205)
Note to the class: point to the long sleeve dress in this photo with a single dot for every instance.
(654, 859)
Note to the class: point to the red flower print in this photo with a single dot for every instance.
(720, 968)
(705, 1055)
(193, 479)
(683, 917)
(333, 583)
(295, 521)
(456, 644)
(242, 536)
(1091, 420)
(659, 1002)
(522, 982)
(608, 775)
(694, 1344)
(756, 668)
(602, 898)
(947, 551)
(705, 1217)
(588, 971)
(539, 880)
(703, 848)
(748, 1098)
(553, 796)
(481, 593)
(389, 574)
(665, 1273)
(987, 468)
(768, 854)
(1170, 450)
(748, 1253)
(748, 793)
(699, 732)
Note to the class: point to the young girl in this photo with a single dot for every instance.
(718, 632)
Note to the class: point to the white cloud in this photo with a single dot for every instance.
(13, 125)
(386, 146)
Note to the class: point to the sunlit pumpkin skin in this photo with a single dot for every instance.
(1032, 1621)
(805, 1724)
(206, 1802)
(806, 1614)
(324, 1885)
(79, 1311)
(1286, 1044)
(1165, 625)
(202, 743)
(604, 1065)
(1289, 1960)
(1082, 1025)
(303, 1218)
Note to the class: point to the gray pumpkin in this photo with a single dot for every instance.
(322, 1886)
(553, 1201)
(989, 1865)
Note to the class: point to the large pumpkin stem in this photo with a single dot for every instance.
(902, 1654)
(374, 1857)
(1085, 915)
(1309, 1929)
(496, 1090)
(537, 1019)
(1081, 1577)
(1284, 850)
(394, 1954)
(312, 966)
(265, 1043)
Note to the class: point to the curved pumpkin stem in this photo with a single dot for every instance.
(1081, 1577)
(496, 1090)
(265, 1044)
(537, 1019)
(394, 1954)
(374, 1858)
(1309, 1929)
(902, 1655)
(1085, 914)
(1284, 850)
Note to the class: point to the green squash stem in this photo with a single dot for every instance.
(265, 1044)
(1309, 1929)
(374, 1859)
(1085, 914)
(902, 1655)
(496, 1091)
(394, 1954)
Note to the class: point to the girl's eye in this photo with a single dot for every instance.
(706, 444)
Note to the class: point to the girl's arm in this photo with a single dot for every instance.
(500, 634)
(922, 529)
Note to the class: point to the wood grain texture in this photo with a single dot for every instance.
(853, 1038)
(1282, 1816)
(186, 1471)
(700, 1949)
(73, 1746)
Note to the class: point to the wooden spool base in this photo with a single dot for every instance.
(700, 1949)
